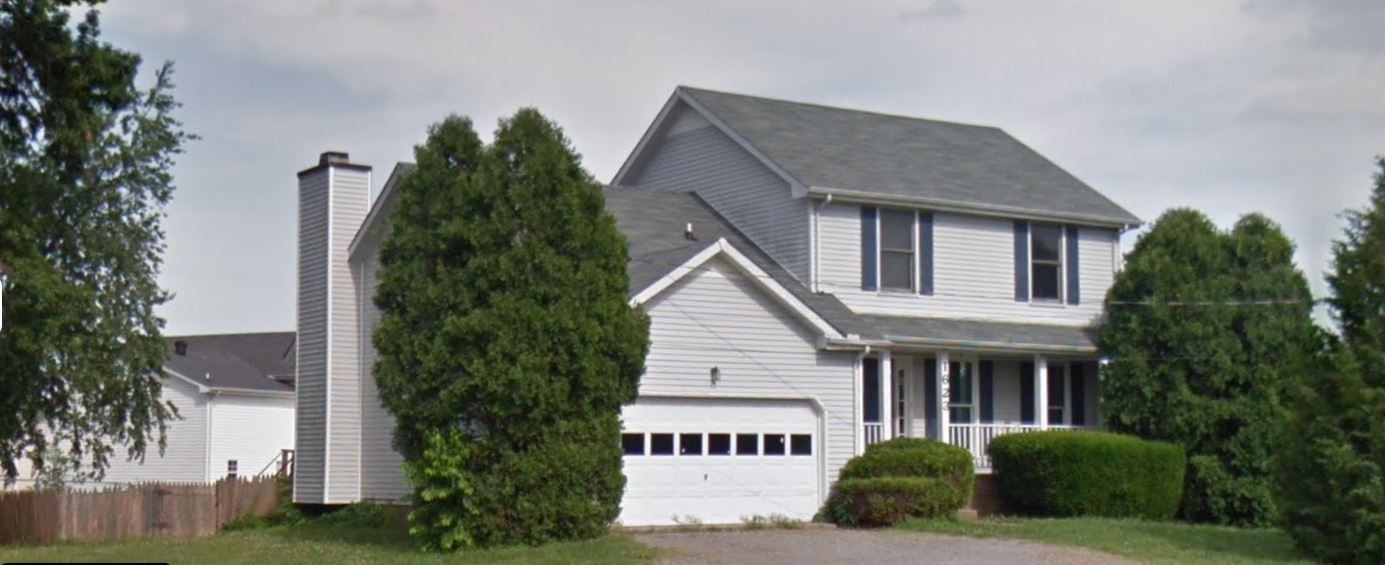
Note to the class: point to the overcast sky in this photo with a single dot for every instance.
(1229, 107)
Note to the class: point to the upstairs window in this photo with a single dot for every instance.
(1046, 264)
(897, 250)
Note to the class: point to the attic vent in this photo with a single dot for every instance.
(688, 233)
(180, 347)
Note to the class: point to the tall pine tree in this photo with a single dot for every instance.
(1330, 469)
(507, 345)
(84, 178)
(1204, 331)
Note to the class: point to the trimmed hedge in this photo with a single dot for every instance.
(898, 479)
(913, 457)
(1082, 473)
(884, 501)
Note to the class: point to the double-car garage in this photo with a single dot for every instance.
(720, 460)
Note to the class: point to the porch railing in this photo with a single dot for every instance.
(874, 432)
(976, 438)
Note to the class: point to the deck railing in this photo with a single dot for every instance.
(976, 438)
(874, 432)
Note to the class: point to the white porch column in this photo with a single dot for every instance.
(860, 377)
(886, 395)
(944, 396)
(1041, 391)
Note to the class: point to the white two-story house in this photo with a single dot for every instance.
(817, 279)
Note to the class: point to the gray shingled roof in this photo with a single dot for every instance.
(982, 333)
(242, 361)
(653, 222)
(852, 150)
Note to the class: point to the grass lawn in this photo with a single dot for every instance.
(313, 543)
(1149, 542)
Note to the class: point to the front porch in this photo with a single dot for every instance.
(968, 399)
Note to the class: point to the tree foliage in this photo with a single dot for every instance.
(1331, 467)
(507, 343)
(84, 178)
(1204, 330)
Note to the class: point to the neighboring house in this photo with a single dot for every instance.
(235, 400)
(817, 279)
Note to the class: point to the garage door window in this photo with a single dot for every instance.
(690, 444)
(801, 444)
(661, 444)
(775, 444)
(747, 444)
(633, 444)
(718, 444)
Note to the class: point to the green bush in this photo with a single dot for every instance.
(913, 457)
(1078, 473)
(898, 479)
(885, 501)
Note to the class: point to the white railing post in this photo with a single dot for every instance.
(944, 396)
(1041, 391)
(886, 394)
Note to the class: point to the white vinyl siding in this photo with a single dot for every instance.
(332, 205)
(696, 156)
(350, 202)
(185, 456)
(311, 385)
(382, 477)
(973, 270)
(716, 317)
(250, 430)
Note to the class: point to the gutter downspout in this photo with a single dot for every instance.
(207, 444)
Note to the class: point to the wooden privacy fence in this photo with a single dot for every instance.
(147, 510)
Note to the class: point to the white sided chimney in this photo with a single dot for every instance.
(333, 199)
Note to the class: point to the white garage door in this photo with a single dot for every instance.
(719, 461)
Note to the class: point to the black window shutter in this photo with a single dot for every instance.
(930, 388)
(1074, 293)
(1027, 393)
(987, 392)
(1021, 261)
(1079, 394)
(869, 253)
(926, 253)
(870, 410)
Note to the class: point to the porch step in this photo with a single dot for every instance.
(985, 497)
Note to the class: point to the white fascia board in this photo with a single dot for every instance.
(967, 345)
(945, 205)
(798, 187)
(375, 215)
(649, 133)
(761, 279)
(657, 127)
(201, 388)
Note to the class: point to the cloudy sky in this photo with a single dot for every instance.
(1230, 107)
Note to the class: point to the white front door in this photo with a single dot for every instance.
(720, 461)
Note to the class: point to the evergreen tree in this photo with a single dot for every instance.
(1204, 330)
(506, 312)
(1330, 468)
(84, 178)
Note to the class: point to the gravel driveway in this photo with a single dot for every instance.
(826, 545)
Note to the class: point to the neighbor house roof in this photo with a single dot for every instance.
(869, 155)
(251, 361)
(654, 223)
